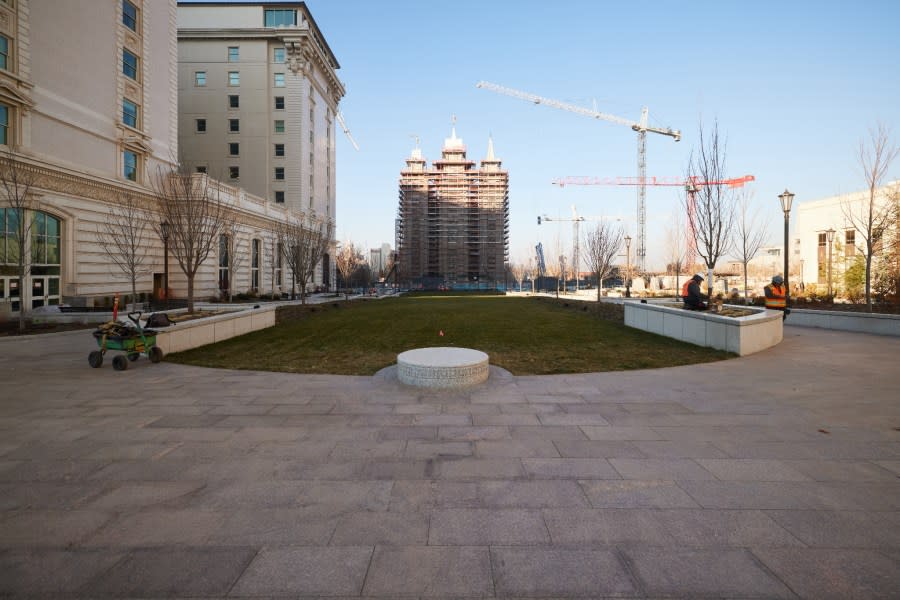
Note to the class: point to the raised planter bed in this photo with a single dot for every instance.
(742, 335)
(200, 332)
(859, 322)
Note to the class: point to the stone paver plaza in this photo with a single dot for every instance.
(769, 476)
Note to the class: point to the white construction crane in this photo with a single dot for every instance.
(641, 127)
(340, 119)
(576, 236)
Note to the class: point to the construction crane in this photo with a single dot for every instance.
(340, 119)
(576, 236)
(641, 127)
(691, 186)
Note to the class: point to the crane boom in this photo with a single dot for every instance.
(641, 127)
(340, 119)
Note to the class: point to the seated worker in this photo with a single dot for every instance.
(691, 294)
(775, 296)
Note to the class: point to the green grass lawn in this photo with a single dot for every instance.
(523, 335)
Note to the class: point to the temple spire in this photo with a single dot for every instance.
(490, 152)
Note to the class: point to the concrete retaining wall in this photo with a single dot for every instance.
(743, 335)
(879, 324)
(200, 332)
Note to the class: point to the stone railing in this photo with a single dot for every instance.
(742, 335)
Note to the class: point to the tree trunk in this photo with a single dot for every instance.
(190, 291)
(746, 294)
(21, 288)
(869, 282)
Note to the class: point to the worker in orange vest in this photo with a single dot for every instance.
(775, 296)
(691, 294)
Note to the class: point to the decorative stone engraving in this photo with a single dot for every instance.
(442, 367)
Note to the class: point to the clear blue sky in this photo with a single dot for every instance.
(794, 86)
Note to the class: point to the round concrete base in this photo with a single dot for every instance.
(442, 367)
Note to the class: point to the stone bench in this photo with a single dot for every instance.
(442, 367)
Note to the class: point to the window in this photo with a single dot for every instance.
(279, 149)
(234, 54)
(4, 52)
(850, 242)
(278, 252)
(129, 15)
(4, 124)
(201, 125)
(9, 227)
(278, 55)
(234, 125)
(45, 247)
(234, 101)
(234, 78)
(279, 126)
(254, 265)
(223, 263)
(279, 197)
(234, 148)
(130, 165)
(279, 17)
(279, 173)
(821, 257)
(201, 169)
(129, 64)
(234, 172)
(200, 78)
(279, 102)
(129, 113)
(279, 80)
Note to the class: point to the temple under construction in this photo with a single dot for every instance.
(453, 220)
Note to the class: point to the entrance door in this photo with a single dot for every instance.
(10, 293)
(44, 290)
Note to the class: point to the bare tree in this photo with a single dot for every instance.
(196, 212)
(17, 183)
(347, 260)
(602, 244)
(518, 272)
(124, 236)
(875, 214)
(749, 234)
(676, 247)
(713, 217)
(304, 240)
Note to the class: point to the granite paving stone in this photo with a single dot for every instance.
(551, 572)
(172, 571)
(833, 574)
(692, 573)
(674, 483)
(458, 571)
(485, 527)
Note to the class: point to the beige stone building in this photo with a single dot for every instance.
(88, 115)
(258, 97)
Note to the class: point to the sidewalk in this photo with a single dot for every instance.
(769, 476)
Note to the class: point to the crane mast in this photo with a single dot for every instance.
(641, 127)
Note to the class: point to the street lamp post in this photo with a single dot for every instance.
(627, 266)
(830, 235)
(166, 230)
(786, 199)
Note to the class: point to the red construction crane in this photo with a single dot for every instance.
(690, 184)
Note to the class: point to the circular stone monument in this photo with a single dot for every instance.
(442, 367)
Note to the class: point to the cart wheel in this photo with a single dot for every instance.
(156, 354)
(95, 359)
(133, 356)
(119, 363)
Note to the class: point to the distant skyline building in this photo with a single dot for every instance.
(452, 224)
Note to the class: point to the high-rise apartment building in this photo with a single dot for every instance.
(257, 100)
(453, 219)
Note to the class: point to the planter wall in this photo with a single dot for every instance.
(200, 332)
(879, 324)
(743, 335)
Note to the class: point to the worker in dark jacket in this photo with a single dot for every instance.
(775, 296)
(691, 294)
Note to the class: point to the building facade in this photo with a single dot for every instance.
(88, 117)
(452, 226)
(815, 257)
(87, 114)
